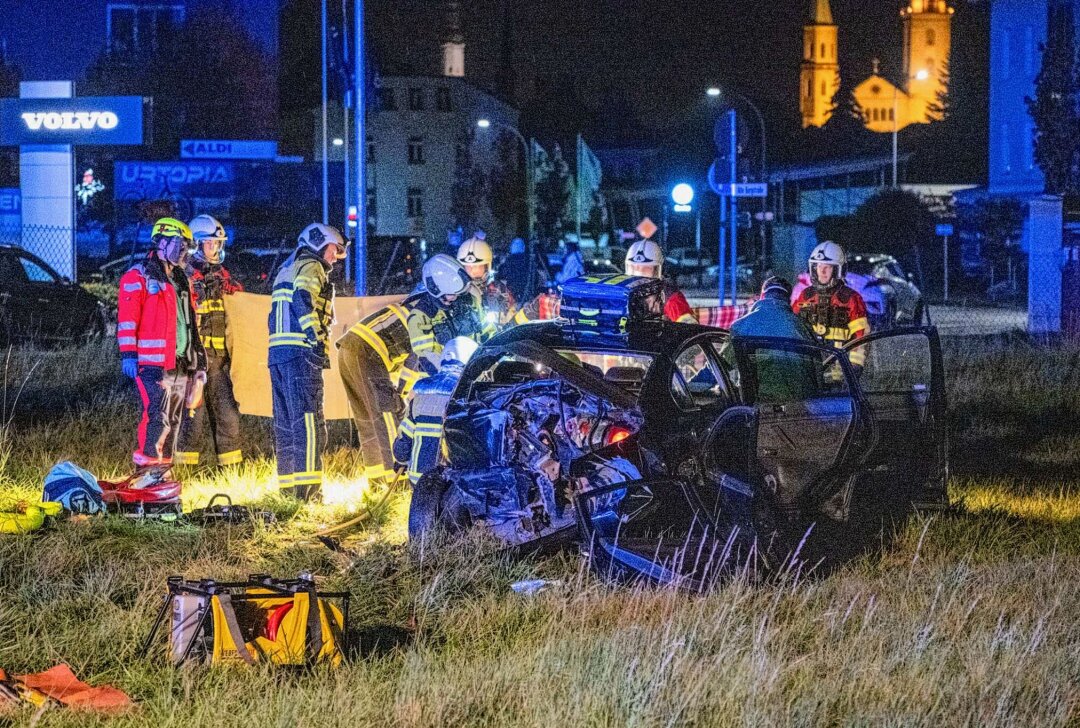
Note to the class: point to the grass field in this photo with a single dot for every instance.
(971, 618)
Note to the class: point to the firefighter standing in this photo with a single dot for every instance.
(301, 312)
(835, 312)
(159, 342)
(211, 282)
(644, 258)
(417, 443)
(494, 301)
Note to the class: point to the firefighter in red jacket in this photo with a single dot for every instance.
(211, 282)
(159, 342)
(644, 258)
(835, 312)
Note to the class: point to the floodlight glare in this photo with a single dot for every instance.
(682, 194)
(484, 123)
(712, 91)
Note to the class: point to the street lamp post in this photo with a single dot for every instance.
(360, 120)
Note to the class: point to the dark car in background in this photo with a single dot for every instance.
(39, 305)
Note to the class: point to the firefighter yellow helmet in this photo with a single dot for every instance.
(172, 240)
(473, 254)
(170, 227)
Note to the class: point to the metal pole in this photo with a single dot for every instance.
(346, 104)
(697, 241)
(733, 248)
(530, 208)
(577, 190)
(325, 146)
(359, 82)
(721, 258)
(946, 269)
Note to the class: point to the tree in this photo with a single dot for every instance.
(506, 186)
(468, 196)
(897, 222)
(1056, 106)
(553, 192)
(940, 109)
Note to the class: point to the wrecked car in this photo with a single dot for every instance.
(675, 452)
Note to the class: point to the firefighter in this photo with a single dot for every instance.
(417, 443)
(372, 358)
(835, 312)
(447, 311)
(301, 312)
(493, 299)
(211, 282)
(644, 258)
(159, 342)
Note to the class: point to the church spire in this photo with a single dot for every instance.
(821, 13)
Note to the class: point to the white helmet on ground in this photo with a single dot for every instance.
(474, 252)
(644, 258)
(444, 276)
(459, 349)
(317, 236)
(210, 238)
(827, 253)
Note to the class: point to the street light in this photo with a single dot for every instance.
(712, 91)
(921, 75)
(484, 123)
(682, 195)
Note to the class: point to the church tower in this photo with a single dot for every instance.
(453, 47)
(927, 44)
(820, 77)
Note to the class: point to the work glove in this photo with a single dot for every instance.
(130, 368)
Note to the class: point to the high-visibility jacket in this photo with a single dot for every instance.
(210, 283)
(542, 308)
(431, 325)
(301, 309)
(838, 316)
(147, 317)
(420, 433)
(495, 305)
(387, 332)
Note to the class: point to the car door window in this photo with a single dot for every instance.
(696, 382)
(36, 273)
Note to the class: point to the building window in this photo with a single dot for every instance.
(823, 51)
(892, 114)
(931, 36)
(442, 99)
(1006, 54)
(824, 89)
(387, 100)
(370, 150)
(808, 51)
(809, 87)
(416, 150)
(1029, 50)
(141, 29)
(415, 202)
(416, 99)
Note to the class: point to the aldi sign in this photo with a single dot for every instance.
(80, 120)
(227, 149)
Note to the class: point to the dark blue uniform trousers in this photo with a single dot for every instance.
(299, 426)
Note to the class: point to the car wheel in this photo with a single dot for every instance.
(427, 496)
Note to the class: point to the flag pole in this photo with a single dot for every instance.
(577, 188)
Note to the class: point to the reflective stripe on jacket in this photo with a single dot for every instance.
(301, 309)
(421, 431)
(210, 283)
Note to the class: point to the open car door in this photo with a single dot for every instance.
(903, 385)
(813, 431)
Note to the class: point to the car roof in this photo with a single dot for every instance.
(659, 338)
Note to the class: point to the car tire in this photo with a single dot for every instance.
(424, 510)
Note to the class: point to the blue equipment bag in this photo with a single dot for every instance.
(604, 306)
(73, 487)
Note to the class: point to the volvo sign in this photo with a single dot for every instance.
(80, 120)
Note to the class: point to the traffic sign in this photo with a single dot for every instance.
(646, 228)
(746, 189)
(944, 229)
(227, 149)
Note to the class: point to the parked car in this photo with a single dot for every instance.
(37, 304)
(891, 296)
(672, 452)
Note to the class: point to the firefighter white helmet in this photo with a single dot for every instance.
(827, 253)
(317, 236)
(475, 252)
(210, 238)
(444, 276)
(644, 258)
(459, 349)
